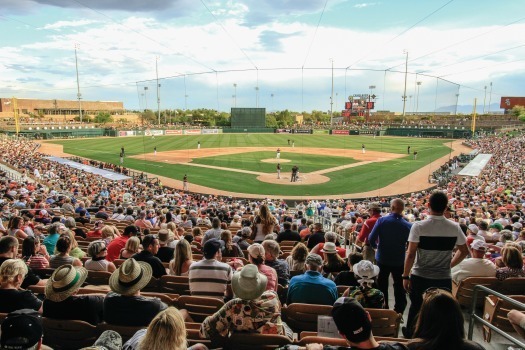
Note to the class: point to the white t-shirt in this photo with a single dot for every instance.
(473, 267)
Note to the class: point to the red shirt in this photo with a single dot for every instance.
(367, 228)
(115, 246)
(340, 251)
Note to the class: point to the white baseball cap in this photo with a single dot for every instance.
(474, 228)
(478, 244)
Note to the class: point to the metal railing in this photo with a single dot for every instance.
(474, 317)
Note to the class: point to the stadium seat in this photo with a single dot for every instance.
(199, 307)
(250, 341)
(68, 334)
(495, 312)
(175, 284)
(303, 317)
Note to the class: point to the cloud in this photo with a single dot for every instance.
(365, 4)
(273, 41)
(67, 24)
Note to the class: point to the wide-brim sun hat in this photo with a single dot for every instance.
(64, 282)
(130, 277)
(329, 248)
(365, 269)
(249, 284)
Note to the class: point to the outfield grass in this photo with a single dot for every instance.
(352, 180)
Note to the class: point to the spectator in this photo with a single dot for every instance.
(256, 256)
(165, 253)
(472, 234)
(131, 248)
(97, 251)
(211, 277)
(14, 227)
(214, 232)
(50, 241)
(355, 326)
(22, 329)
(253, 310)
(34, 254)
(124, 305)
(115, 247)
(287, 234)
(150, 243)
(348, 278)
(440, 324)
(297, 258)
(9, 250)
(316, 237)
(231, 250)
(75, 251)
(96, 232)
(142, 222)
(71, 224)
(272, 251)
(62, 302)
(365, 294)
(476, 266)
(241, 237)
(311, 287)
(182, 259)
(332, 238)
(101, 213)
(62, 256)
(236, 222)
(12, 298)
(332, 260)
(513, 261)
(517, 320)
(389, 236)
(167, 331)
(263, 224)
(430, 246)
(362, 239)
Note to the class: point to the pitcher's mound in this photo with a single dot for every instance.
(275, 161)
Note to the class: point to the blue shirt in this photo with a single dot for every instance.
(311, 288)
(392, 233)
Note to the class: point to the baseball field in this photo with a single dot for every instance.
(246, 164)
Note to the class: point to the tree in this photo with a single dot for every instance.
(103, 118)
(519, 111)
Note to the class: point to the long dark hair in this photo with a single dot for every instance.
(28, 247)
(440, 324)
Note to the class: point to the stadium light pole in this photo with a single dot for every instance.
(484, 99)
(490, 97)
(256, 97)
(79, 95)
(158, 87)
(332, 96)
(186, 102)
(234, 94)
(405, 91)
(417, 97)
(271, 95)
(457, 99)
(146, 97)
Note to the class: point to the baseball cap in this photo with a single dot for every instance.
(478, 244)
(474, 228)
(211, 247)
(256, 250)
(497, 226)
(21, 329)
(352, 320)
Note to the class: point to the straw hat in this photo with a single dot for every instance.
(65, 281)
(329, 248)
(249, 284)
(130, 277)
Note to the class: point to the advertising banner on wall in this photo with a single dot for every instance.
(126, 133)
(211, 131)
(149, 132)
(283, 131)
(192, 132)
(173, 132)
(339, 132)
(302, 131)
(319, 131)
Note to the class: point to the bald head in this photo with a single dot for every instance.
(397, 206)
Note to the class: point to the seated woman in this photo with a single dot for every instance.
(12, 298)
(96, 232)
(512, 258)
(332, 261)
(131, 248)
(62, 302)
(231, 250)
(256, 256)
(35, 254)
(166, 331)
(62, 257)
(75, 252)
(348, 278)
(241, 237)
(440, 324)
(14, 227)
(297, 258)
(97, 250)
(254, 309)
(182, 259)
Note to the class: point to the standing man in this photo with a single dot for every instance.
(198, 145)
(389, 236)
(429, 260)
(122, 151)
(415, 155)
(288, 142)
(362, 239)
(408, 149)
(278, 156)
(155, 150)
(363, 149)
(293, 143)
(185, 183)
(278, 170)
(121, 158)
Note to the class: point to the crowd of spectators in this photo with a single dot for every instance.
(482, 217)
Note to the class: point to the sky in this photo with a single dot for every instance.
(279, 55)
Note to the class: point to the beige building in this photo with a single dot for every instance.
(28, 106)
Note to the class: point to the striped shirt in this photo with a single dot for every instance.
(436, 237)
(209, 278)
